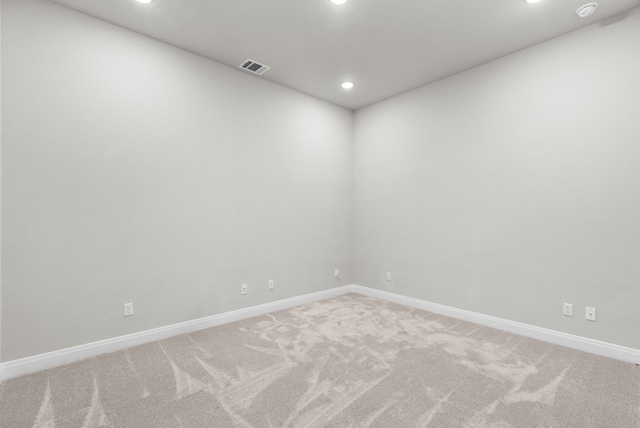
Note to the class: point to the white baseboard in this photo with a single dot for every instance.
(580, 343)
(36, 363)
(16, 368)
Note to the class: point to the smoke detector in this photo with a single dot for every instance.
(254, 67)
(587, 10)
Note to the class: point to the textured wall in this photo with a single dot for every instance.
(513, 187)
(137, 172)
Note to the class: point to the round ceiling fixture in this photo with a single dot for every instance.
(587, 10)
(338, 1)
(145, 1)
(532, 1)
(347, 85)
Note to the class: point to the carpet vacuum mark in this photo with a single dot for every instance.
(351, 361)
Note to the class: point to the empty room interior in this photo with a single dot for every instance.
(320, 213)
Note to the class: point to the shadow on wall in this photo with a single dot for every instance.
(619, 17)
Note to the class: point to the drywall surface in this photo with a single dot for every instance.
(1, 189)
(513, 187)
(137, 172)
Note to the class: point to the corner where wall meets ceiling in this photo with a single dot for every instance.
(384, 48)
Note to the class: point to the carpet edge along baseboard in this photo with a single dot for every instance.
(36, 363)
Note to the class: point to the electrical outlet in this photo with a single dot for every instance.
(272, 284)
(567, 309)
(388, 276)
(336, 273)
(128, 309)
(245, 289)
(590, 313)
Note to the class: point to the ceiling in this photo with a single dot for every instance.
(385, 47)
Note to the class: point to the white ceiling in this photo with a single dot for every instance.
(385, 46)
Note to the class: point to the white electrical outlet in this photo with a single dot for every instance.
(272, 284)
(567, 309)
(590, 313)
(128, 309)
(388, 276)
(336, 273)
(245, 289)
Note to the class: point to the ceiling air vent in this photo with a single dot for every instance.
(254, 67)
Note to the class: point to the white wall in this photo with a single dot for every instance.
(513, 187)
(137, 172)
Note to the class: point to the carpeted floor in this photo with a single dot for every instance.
(352, 361)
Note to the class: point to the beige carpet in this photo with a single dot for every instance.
(352, 361)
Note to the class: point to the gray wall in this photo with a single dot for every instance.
(137, 172)
(1, 101)
(513, 187)
(134, 171)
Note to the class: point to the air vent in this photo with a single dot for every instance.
(254, 67)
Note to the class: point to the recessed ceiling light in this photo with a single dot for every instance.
(347, 85)
(532, 1)
(145, 1)
(338, 1)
